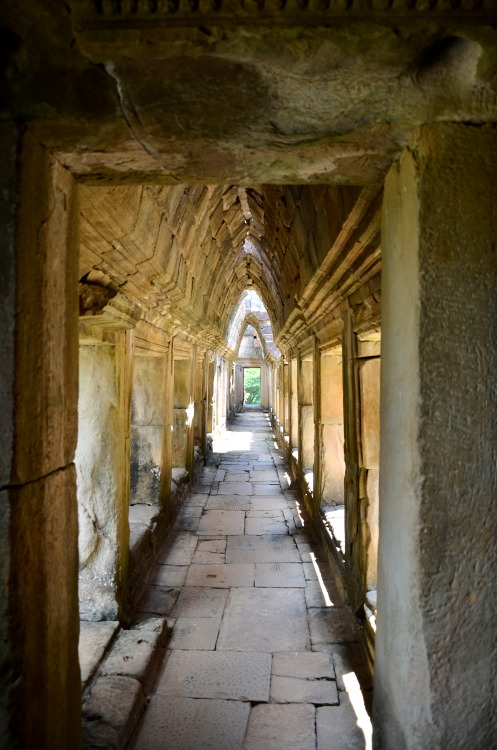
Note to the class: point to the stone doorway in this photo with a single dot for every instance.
(251, 386)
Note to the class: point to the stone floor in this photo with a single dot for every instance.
(264, 653)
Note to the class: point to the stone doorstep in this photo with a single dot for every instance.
(115, 701)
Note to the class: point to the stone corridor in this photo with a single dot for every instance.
(263, 650)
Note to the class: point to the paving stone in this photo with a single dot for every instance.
(310, 572)
(222, 522)
(219, 475)
(304, 664)
(263, 549)
(268, 503)
(217, 674)
(198, 498)
(272, 513)
(221, 576)
(332, 625)
(191, 511)
(223, 502)
(172, 723)
(168, 575)
(315, 597)
(258, 619)
(337, 727)
(187, 523)
(200, 602)
(195, 633)
(260, 526)
(298, 690)
(94, 640)
(278, 727)
(279, 575)
(179, 551)
(212, 545)
(132, 655)
(208, 558)
(262, 473)
(235, 488)
(157, 599)
(267, 489)
(237, 477)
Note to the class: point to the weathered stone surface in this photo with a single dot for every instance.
(179, 551)
(193, 723)
(265, 526)
(338, 728)
(94, 640)
(298, 690)
(261, 549)
(116, 702)
(221, 576)
(217, 675)
(221, 522)
(272, 727)
(228, 503)
(235, 488)
(332, 625)
(157, 599)
(132, 655)
(264, 620)
(195, 633)
(200, 602)
(170, 576)
(303, 664)
(279, 575)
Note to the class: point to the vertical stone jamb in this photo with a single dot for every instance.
(40, 695)
(317, 426)
(438, 475)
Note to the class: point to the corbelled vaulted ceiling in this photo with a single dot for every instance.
(185, 254)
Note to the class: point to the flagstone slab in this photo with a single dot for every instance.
(274, 727)
(226, 675)
(168, 575)
(261, 549)
(237, 476)
(222, 522)
(172, 723)
(268, 503)
(221, 576)
(332, 625)
(157, 599)
(266, 489)
(179, 551)
(235, 488)
(264, 619)
(337, 727)
(260, 526)
(279, 575)
(304, 664)
(195, 633)
(298, 690)
(200, 602)
(228, 502)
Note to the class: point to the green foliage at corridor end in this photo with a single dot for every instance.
(252, 385)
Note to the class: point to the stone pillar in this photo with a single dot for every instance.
(305, 384)
(199, 426)
(369, 384)
(332, 456)
(317, 438)
(210, 394)
(103, 468)
(40, 694)
(435, 647)
(183, 397)
(147, 431)
(294, 409)
(286, 397)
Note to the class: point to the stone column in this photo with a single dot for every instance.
(40, 703)
(147, 431)
(332, 456)
(103, 467)
(306, 413)
(210, 395)
(435, 648)
(183, 396)
(294, 409)
(286, 397)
